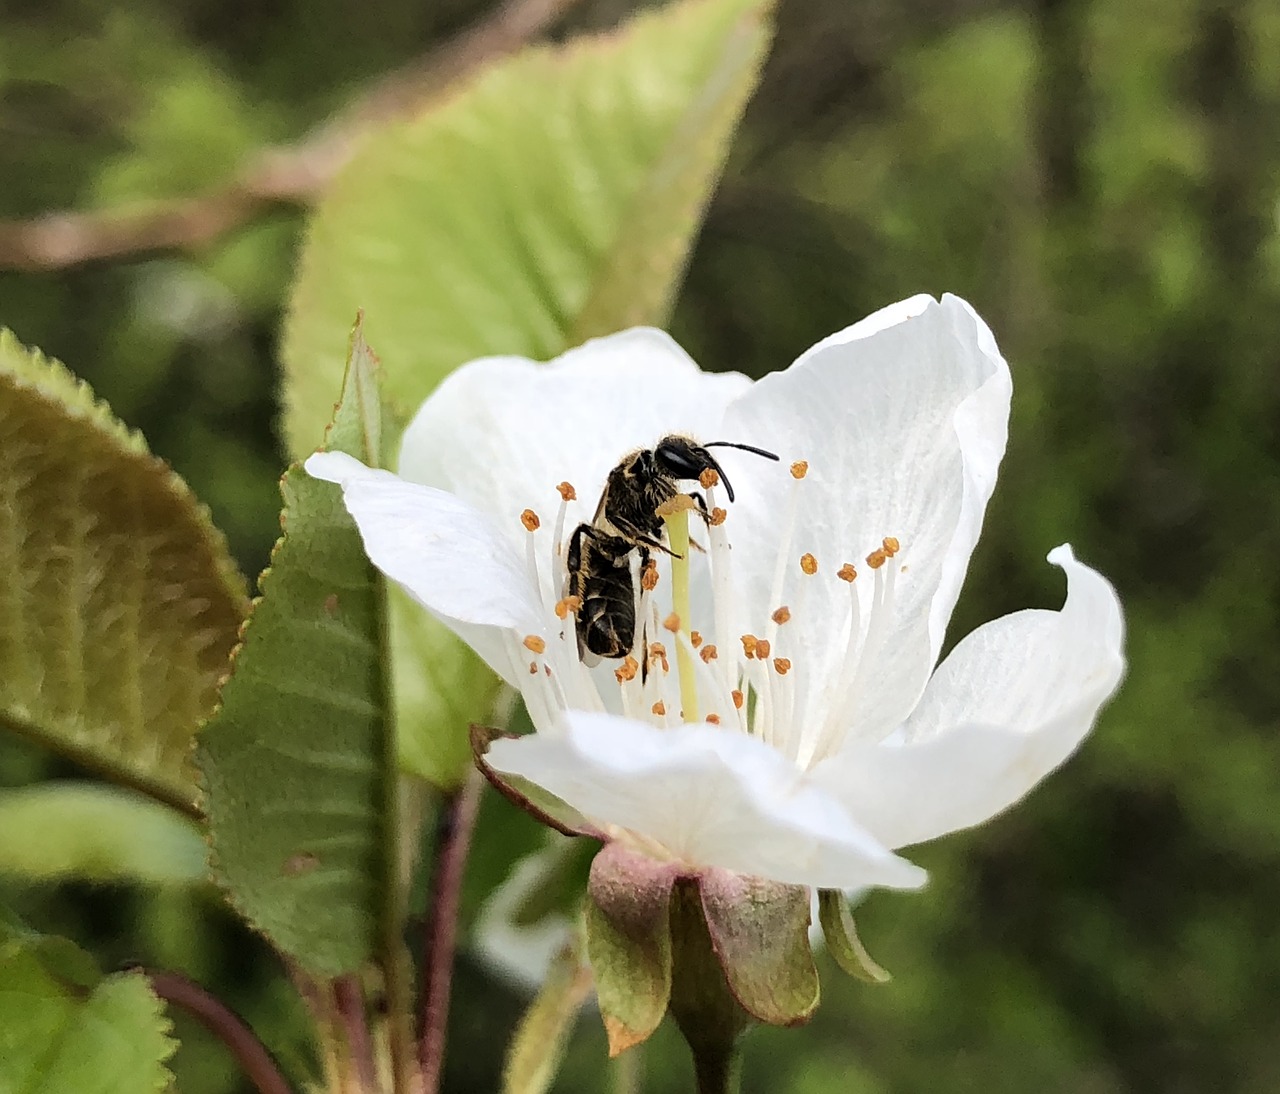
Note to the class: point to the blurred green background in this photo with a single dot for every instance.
(1101, 181)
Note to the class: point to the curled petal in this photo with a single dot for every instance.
(708, 796)
(452, 558)
(1010, 703)
(902, 419)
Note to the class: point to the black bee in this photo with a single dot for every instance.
(627, 520)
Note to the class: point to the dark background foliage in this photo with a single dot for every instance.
(1102, 181)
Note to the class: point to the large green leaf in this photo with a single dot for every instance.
(552, 200)
(63, 830)
(297, 764)
(63, 1028)
(118, 603)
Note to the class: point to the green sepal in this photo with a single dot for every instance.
(842, 938)
(119, 604)
(298, 763)
(760, 931)
(628, 916)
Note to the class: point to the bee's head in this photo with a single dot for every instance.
(682, 458)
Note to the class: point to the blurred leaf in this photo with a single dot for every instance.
(297, 764)
(539, 1042)
(554, 200)
(64, 1029)
(118, 604)
(63, 830)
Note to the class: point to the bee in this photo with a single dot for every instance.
(627, 520)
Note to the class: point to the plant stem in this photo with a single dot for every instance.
(453, 841)
(350, 1001)
(250, 1053)
(678, 534)
(628, 1071)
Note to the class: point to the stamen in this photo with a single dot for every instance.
(808, 564)
(678, 535)
(567, 492)
(714, 719)
(891, 545)
(782, 665)
(799, 469)
(717, 517)
(671, 623)
(763, 649)
(782, 615)
(749, 643)
(530, 520)
(659, 708)
(877, 558)
(628, 670)
(568, 605)
(708, 478)
(695, 639)
(649, 576)
(847, 573)
(533, 668)
(535, 643)
(708, 654)
(738, 698)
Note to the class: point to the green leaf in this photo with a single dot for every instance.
(843, 941)
(118, 603)
(554, 199)
(64, 830)
(297, 764)
(543, 1033)
(64, 1028)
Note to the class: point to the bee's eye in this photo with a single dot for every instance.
(681, 459)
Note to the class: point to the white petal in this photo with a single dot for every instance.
(903, 420)
(1010, 703)
(452, 558)
(502, 432)
(521, 953)
(712, 797)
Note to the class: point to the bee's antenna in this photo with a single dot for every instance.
(744, 447)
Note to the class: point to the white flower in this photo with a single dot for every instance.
(812, 764)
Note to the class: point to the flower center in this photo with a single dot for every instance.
(796, 685)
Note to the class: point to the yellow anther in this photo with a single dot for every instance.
(738, 698)
(695, 639)
(891, 546)
(567, 605)
(847, 572)
(671, 623)
(534, 644)
(808, 564)
(567, 492)
(877, 558)
(708, 654)
(530, 520)
(649, 576)
(533, 668)
(781, 665)
(762, 649)
(718, 516)
(708, 478)
(659, 708)
(714, 719)
(799, 469)
(749, 643)
(628, 670)
(782, 615)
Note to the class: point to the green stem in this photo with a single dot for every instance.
(628, 1071)
(678, 533)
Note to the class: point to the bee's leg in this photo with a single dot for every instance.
(702, 509)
